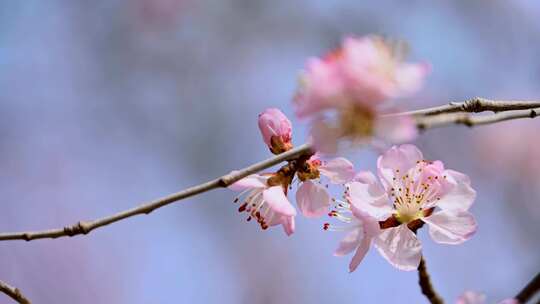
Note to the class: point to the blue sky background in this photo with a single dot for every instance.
(106, 104)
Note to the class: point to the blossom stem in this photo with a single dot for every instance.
(425, 284)
(13, 293)
(529, 290)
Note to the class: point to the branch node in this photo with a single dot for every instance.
(533, 114)
(472, 105)
(79, 228)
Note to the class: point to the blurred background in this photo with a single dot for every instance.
(107, 104)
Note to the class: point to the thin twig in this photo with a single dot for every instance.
(13, 293)
(529, 290)
(474, 105)
(425, 119)
(223, 181)
(470, 120)
(425, 284)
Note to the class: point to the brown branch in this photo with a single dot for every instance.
(13, 293)
(469, 120)
(474, 105)
(425, 284)
(529, 290)
(221, 182)
(425, 119)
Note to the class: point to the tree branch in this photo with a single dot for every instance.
(13, 293)
(427, 118)
(474, 105)
(221, 182)
(425, 284)
(529, 290)
(469, 120)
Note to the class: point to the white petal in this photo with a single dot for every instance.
(402, 158)
(360, 253)
(396, 129)
(451, 227)
(367, 199)
(278, 202)
(400, 247)
(288, 225)
(312, 199)
(350, 241)
(250, 181)
(338, 170)
(459, 197)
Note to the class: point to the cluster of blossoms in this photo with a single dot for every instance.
(346, 93)
(385, 211)
(264, 196)
(346, 96)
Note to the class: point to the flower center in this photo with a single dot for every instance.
(357, 122)
(414, 193)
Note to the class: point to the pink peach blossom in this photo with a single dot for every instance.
(472, 297)
(266, 203)
(412, 192)
(276, 130)
(356, 81)
(312, 198)
(361, 228)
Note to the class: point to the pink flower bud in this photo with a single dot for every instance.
(276, 130)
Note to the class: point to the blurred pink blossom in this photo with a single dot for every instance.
(356, 81)
(265, 202)
(409, 191)
(312, 198)
(472, 297)
(276, 130)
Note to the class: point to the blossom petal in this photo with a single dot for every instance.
(471, 297)
(410, 77)
(367, 199)
(396, 129)
(325, 138)
(459, 177)
(509, 301)
(288, 225)
(460, 194)
(400, 247)
(278, 202)
(339, 170)
(451, 226)
(360, 253)
(250, 181)
(312, 199)
(402, 158)
(365, 177)
(350, 242)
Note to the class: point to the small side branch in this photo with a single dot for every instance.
(469, 120)
(425, 284)
(528, 292)
(475, 105)
(13, 293)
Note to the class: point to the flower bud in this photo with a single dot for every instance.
(276, 130)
